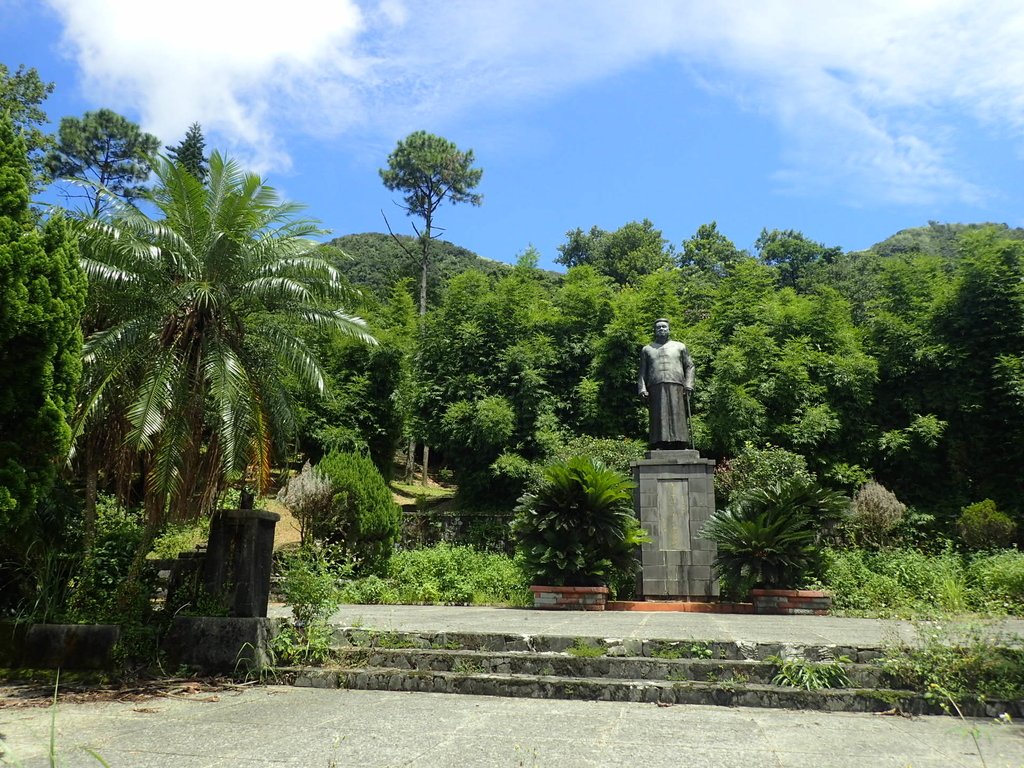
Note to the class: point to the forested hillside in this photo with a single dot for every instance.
(376, 261)
(903, 363)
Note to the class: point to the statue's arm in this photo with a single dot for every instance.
(642, 379)
(688, 372)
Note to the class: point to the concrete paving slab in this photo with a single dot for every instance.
(258, 728)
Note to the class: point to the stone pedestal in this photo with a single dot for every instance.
(674, 497)
(239, 559)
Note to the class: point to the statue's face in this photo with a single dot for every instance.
(661, 331)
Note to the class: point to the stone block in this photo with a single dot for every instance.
(239, 559)
(219, 644)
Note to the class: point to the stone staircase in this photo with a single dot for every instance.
(665, 672)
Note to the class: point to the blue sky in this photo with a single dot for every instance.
(847, 121)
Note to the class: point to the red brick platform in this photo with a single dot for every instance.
(679, 606)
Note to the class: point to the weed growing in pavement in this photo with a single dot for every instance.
(581, 649)
(694, 650)
(810, 675)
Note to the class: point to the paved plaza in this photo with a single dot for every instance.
(282, 726)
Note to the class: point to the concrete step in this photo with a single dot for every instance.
(610, 669)
(738, 671)
(614, 647)
(724, 693)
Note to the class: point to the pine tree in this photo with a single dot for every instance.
(107, 151)
(189, 152)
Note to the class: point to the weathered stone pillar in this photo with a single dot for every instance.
(674, 497)
(239, 559)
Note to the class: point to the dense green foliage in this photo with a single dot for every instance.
(362, 516)
(97, 587)
(443, 574)
(625, 255)
(42, 295)
(898, 366)
(107, 151)
(952, 668)
(376, 262)
(578, 528)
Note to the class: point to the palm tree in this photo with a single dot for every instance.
(197, 313)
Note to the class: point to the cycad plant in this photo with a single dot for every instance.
(771, 537)
(578, 527)
(195, 316)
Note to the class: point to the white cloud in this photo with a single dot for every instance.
(867, 93)
(221, 63)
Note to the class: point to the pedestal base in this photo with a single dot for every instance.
(674, 497)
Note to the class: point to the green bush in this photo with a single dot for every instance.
(309, 584)
(362, 516)
(771, 536)
(754, 468)
(370, 590)
(98, 589)
(614, 453)
(983, 526)
(443, 574)
(454, 574)
(876, 512)
(578, 528)
(997, 581)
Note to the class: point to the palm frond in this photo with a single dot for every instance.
(146, 414)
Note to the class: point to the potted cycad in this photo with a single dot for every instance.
(770, 541)
(577, 534)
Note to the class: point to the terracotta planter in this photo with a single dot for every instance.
(569, 598)
(791, 602)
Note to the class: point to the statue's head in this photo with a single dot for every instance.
(661, 329)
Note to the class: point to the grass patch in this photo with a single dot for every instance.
(446, 575)
(908, 584)
(414, 490)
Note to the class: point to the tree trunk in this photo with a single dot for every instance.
(426, 463)
(410, 461)
(91, 492)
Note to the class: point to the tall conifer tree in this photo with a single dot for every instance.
(42, 295)
(189, 152)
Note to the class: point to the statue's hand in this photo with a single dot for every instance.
(643, 392)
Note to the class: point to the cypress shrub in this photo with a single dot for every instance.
(983, 526)
(362, 516)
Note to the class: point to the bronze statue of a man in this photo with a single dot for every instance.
(666, 380)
